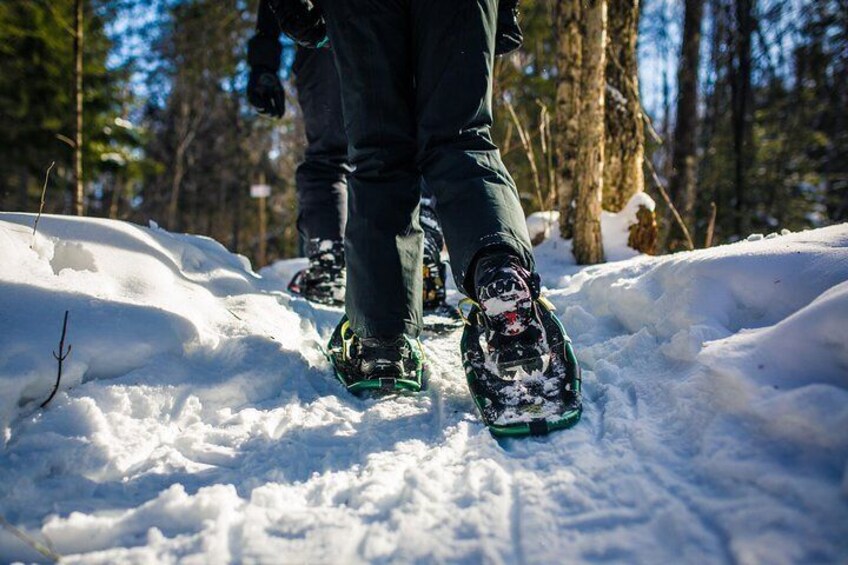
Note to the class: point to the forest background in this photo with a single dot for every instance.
(742, 107)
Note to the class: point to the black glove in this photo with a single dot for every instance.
(508, 37)
(301, 20)
(265, 92)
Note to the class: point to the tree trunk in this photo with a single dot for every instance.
(643, 234)
(625, 129)
(741, 92)
(682, 185)
(588, 247)
(117, 193)
(567, 134)
(186, 132)
(79, 192)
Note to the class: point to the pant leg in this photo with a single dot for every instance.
(476, 199)
(383, 240)
(321, 178)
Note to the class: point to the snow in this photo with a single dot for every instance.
(542, 225)
(198, 422)
(615, 230)
(615, 227)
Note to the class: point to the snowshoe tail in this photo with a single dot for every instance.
(528, 402)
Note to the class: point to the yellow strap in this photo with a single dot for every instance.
(466, 302)
(547, 304)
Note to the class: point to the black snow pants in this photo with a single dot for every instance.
(416, 78)
(322, 176)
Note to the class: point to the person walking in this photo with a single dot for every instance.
(322, 177)
(416, 79)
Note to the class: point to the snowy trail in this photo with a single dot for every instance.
(199, 422)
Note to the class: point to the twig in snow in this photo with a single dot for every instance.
(41, 206)
(47, 552)
(60, 357)
(689, 243)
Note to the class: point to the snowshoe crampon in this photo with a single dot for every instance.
(522, 403)
(341, 351)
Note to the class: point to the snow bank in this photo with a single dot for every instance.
(133, 294)
(615, 231)
(543, 225)
(198, 422)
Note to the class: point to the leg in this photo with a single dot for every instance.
(476, 199)
(322, 176)
(383, 244)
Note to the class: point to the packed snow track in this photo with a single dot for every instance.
(197, 420)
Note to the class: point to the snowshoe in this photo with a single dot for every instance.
(370, 365)
(439, 316)
(323, 281)
(434, 268)
(527, 398)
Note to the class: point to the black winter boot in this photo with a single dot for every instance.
(382, 358)
(324, 280)
(387, 365)
(507, 294)
(434, 268)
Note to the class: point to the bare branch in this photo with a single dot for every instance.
(66, 140)
(41, 206)
(674, 212)
(527, 144)
(60, 357)
(711, 226)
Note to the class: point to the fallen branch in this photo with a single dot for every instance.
(689, 243)
(41, 206)
(60, 357)
(47, 552)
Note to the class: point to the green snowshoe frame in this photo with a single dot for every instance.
(569, 396)
(338, 353)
